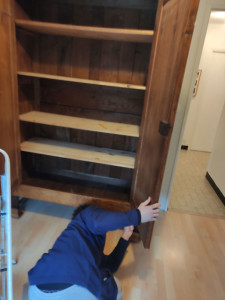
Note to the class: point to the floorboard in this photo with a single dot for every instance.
(186, 259)
(191, 191)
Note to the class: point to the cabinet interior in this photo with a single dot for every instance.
(82, 72)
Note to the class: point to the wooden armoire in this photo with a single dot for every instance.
(88, 96)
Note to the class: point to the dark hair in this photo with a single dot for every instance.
(78, 209)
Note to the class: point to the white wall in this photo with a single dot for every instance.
(206, 106)
(216, 167)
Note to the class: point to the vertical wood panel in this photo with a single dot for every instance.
(127, 50)
(95, 59)
(80, 58)
(110, 61)
(26, 95)
(64, 45)
(110, 53)
(48, 52)
(8, 111)
(174, 28)
(22, 9)
(140, 67)
(25, 50)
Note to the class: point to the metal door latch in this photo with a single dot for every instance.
(164, 128)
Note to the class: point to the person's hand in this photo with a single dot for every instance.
(149, 212)
(127, 232)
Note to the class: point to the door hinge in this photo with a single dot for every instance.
(164, 128)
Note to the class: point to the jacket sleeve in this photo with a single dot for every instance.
(114, 259)
(100, 221)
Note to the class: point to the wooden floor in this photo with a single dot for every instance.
(191, 191)
(186, 259)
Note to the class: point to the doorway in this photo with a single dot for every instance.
(191, 190)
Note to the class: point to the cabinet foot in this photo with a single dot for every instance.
(135, 238)
(17, 209)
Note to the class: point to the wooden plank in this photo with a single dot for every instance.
(72, 190)
(95, 59)
(71, 175)
(79, 152)
(81, 48)
(79, 80)
(138, 4)
(24, 50)
(173, 31)
(8, 93)
(116, 34)
(92, 114)
(80, 57)
(100, 101)
(26, 94)
(142, 54)
(48, 55)
(80, 123)
(20, 12)
(37, 97)
(110, 52)
(69, 198)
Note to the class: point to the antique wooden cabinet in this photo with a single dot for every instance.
(89, 91)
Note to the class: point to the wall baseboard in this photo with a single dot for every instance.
(215, 187)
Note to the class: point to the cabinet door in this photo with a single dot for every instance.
(8, 136)
(173, 32)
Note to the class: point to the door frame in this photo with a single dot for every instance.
(198, 38)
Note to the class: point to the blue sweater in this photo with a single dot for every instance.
(77, 256)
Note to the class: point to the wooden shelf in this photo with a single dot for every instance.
(71, 194)
(116, 34)
(80, 123)
(79, 152)
(83, 81)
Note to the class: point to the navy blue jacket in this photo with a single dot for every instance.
(77, 256)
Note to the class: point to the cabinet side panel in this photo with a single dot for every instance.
(8, 110)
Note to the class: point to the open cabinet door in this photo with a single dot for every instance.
(8, 120)
(174, 27)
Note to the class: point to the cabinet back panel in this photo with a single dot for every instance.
(26, 94)
(81, 96)
(25, 45)
(92, 113)
(70, 12)
(89, 59)
(102, 197)
(112, 61)
(77, 172)
(80, 100)
(91, 138)
(100, 60)
(42, 163)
